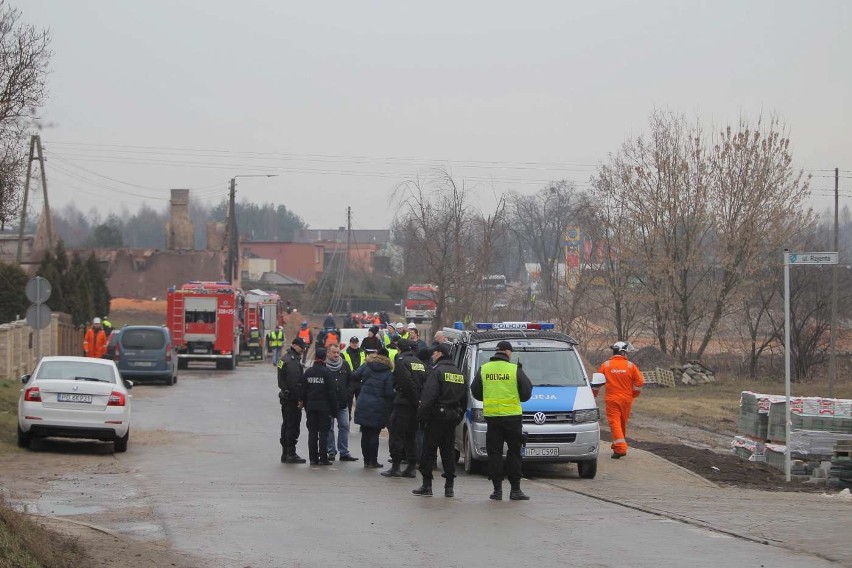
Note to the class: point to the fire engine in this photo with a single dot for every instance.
(421, 302)
(263, 310)
(205, 320)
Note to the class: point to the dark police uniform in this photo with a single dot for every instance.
(290, 375)
(319, 400)
(442, 404)
(409, 374)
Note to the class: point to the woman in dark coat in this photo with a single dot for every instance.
(374, 403)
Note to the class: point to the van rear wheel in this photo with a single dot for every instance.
(588, 468)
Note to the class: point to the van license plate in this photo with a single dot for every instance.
(71, 397)
(142, 363)
(541, 452)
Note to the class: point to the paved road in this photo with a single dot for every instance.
(203, 467)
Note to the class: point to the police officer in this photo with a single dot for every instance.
(319, 400)
(290, 382)
(502, 386)
(409, 374)
(442, 405)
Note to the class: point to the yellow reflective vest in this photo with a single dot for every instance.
(500, 389)
(276, 338)
(348, 359)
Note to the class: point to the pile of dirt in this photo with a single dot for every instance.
(652, 358)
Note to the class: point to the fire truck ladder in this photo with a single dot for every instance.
(176, 318)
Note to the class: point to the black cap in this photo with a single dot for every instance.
(504, 345)
(406, 344)
(320, 354)
(354, 339)
(441, 348)
(299, 342)
(374, 329)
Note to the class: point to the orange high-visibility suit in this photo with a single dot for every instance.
(623, 383)
(95, 343)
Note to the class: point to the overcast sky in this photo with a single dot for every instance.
(344, 100)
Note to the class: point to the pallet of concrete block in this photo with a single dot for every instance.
(694, 373)
(754, 414)
(816, 444)
(840, 474)
(773, 454)
(659, 377)
(748, 449)
(810, 413)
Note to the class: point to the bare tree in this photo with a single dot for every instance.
(24, 58)
(447, 241)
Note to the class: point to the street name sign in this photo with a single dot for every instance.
(812, 258)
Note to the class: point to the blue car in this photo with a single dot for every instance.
(145, 352)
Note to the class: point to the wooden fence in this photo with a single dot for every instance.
(18, 340)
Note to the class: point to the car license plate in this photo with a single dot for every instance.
(73, 397)
(541, 452)
(143, 363)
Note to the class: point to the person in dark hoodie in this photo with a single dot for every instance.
(374, 403)
(319, 401)
(409, 374)
(442, 405)
(372, 342)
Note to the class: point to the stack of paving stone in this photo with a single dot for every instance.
(694, 373)
(840, 475)
(748, 449)
(754, 414)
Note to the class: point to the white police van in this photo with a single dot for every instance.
(560, 420)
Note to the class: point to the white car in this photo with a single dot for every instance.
(75, 397)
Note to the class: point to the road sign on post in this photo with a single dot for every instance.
(38, 315)
(795, 259)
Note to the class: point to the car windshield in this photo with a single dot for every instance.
(153, 339)
(545, 366)
(73, 370)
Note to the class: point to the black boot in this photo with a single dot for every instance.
(293, 457)
(497, 494)
(284, 452)
(392, 472)
(517, 495)
(425, 490)
(410, 470)
(448, 488)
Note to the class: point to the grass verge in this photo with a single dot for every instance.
(23, 542)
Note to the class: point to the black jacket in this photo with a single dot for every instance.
(290, 374)
(444, 396)
(409, 374)
(524, 383)
(341, 384)
(319, 389)
(371, 344)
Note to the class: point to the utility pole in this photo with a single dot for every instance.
(347, 290)
(18, 256)
(47, 222)
(832, 361)
(233, 242)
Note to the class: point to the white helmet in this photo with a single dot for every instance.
(621, 347)
(96, 320)
(400, 325)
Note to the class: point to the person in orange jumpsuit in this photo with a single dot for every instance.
(95, 340)
(623, 383)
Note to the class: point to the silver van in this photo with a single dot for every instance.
(561, 418)
(145, 352)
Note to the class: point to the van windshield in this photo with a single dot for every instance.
(143, 339)
(545, 366)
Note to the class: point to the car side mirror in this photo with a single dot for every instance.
(128, 384)
(598, 380)
(25, 378)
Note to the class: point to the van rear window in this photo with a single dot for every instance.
(143, 339)
(544, 366)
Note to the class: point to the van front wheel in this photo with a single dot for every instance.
(588, 469)
(471, 466)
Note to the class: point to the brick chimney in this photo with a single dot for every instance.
(180, 234)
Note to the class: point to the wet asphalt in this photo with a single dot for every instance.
(216, 489)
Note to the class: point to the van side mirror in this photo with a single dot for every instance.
(598, 380)
(25, 378)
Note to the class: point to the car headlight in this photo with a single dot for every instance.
(590, 415)
(477, 415)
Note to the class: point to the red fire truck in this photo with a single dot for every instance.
(204, 319)
(263, 310)
(421, 302)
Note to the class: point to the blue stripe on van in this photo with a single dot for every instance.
(551, 399)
